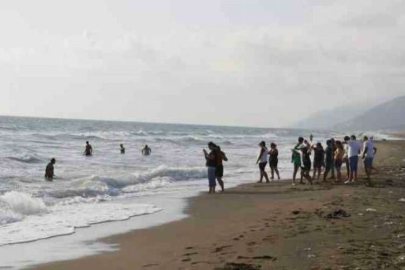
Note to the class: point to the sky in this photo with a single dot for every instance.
(261, 63)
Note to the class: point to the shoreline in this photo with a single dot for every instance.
(273, 226)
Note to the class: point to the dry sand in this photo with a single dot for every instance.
(276, 226)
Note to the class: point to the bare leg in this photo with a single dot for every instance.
(278, 173)
(272, 173)
(266, 176)
(295, 173)
(221, 183)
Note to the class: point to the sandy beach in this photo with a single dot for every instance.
(276, 226)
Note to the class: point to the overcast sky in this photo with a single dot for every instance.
(233, 62)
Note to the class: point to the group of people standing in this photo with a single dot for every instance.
(332, 158)
(327, 161)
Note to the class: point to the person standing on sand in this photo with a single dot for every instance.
(369, 152)
(122, 149)
(333, 159)
(296, 158)
(211, 164)
(306, 162)
(88, 151)
(339, 153)
(50, 170)
(319, 160)
(262, 161)
(273, 161)
(354, 151)
(328, 159)
(219, 173)
(346, 156)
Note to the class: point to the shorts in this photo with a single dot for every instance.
(212, 177)
(273, 164)
(262, 166)
(354, 161)
(368, 163)
(338, 164)
(220, 171)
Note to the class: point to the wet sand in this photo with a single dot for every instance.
(276, 226)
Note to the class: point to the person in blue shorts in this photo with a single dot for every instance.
(211, 163)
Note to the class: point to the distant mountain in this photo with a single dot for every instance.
(329, 119)
(387, 116)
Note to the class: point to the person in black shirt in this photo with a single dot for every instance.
(329, 159)
(122, 149)
(319, 160)
(273, 161)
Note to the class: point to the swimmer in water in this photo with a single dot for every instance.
(146, 151)
(50, 170)
(122, 149)
(89, 150)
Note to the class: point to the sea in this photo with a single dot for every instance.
(110, 186)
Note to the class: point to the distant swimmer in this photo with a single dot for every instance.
(49, 171)
(89, 150)
(146, 150)
(122, 149)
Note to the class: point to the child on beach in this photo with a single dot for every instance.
(262, 161)
(273, 161)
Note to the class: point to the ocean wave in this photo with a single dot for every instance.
(15, 205)
(26, 159)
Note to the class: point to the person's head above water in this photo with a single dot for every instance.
(53, 161)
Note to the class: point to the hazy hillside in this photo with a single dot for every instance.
(389, 115)
(328, 119)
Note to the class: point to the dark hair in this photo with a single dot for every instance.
(87, 142)
(273, 145)
(300, 139)
(319, 145)
(347, 138)
(263, 143)
(353, 137)
(53, 160)
(328, 142)
(339, 144)
(365, 138)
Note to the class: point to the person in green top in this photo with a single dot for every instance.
(296, 157)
